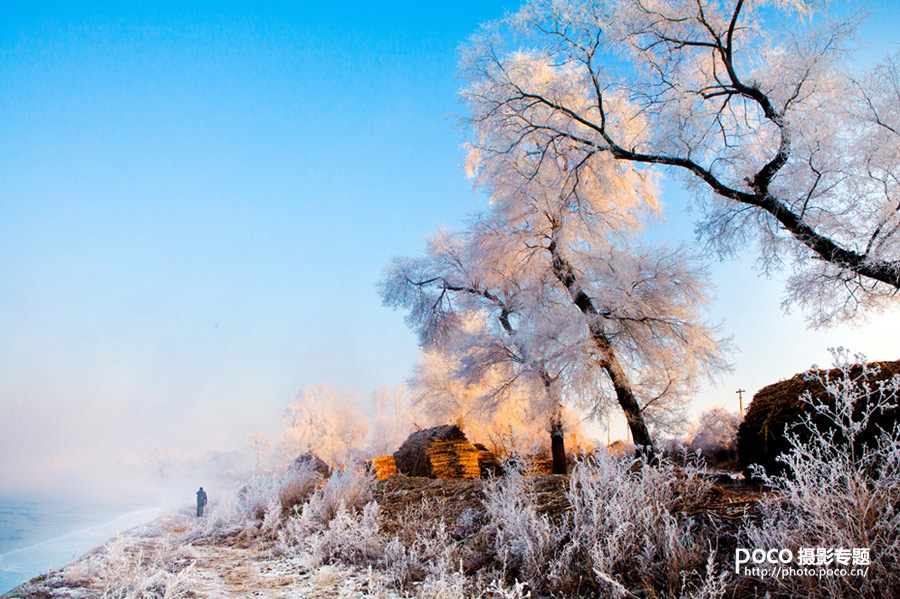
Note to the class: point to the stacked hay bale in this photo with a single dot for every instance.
(776, 411)
(453, 459)
(438, 452)
(383, 467)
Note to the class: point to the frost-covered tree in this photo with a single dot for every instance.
(715, 431)
(394, 418)
(259, 443)
(326, 422)
(577, 304)
(478, 364)
(780, 140)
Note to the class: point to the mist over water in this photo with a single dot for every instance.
(40, 534)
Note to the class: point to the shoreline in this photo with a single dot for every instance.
(39, 558)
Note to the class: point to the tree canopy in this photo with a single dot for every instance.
(782, 143)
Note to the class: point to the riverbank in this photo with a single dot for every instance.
(37, 535)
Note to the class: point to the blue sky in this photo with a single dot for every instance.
(196, 203)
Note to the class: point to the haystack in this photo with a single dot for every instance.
(383, 467)
(776, 411)
(438, 452)
(309, 459)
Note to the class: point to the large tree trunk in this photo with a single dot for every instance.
(564, 272)
(558, 447)
(624, 394)
(557, 436)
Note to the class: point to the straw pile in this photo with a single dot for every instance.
(487, 461)
(539, 464)
(438, 452)
(453, 459)
(776, 410)
(383, 467)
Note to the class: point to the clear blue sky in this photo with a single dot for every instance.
(196, 203)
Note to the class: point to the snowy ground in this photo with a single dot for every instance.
(153, 556)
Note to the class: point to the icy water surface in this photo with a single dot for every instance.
(37, 535)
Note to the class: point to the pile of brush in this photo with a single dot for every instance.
(777, 412)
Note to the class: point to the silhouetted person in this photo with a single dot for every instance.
(201, 501)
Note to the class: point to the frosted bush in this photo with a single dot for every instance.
(626, 531)
(338, 522)
(522, 539)
(257, 507)
(627, 517)
(837, 491)
(715, 436)
(350, 488)
(348, 537)
(403, 564)
(427, 544)
(239, 511)
(445, 585)
(133, 573)
(498, 590)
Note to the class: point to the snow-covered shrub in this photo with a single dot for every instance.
(339, 521)
(626, 530)
(498, 590)
(523, 540)
(239, 511)
(628, 525)
(258, 506)
(133, 572)
(350, 488)
(836, 492)
(298, 484)
(349, 537)
(426, 544)
(446, 585)
(403, 564)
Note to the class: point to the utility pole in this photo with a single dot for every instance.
(608, 427)
(740, 394)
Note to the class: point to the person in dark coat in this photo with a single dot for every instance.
(201, 501)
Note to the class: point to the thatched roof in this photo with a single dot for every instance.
(776, 409)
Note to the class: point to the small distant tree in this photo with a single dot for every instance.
(259, 444)
(780, 141)
(715, 432)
